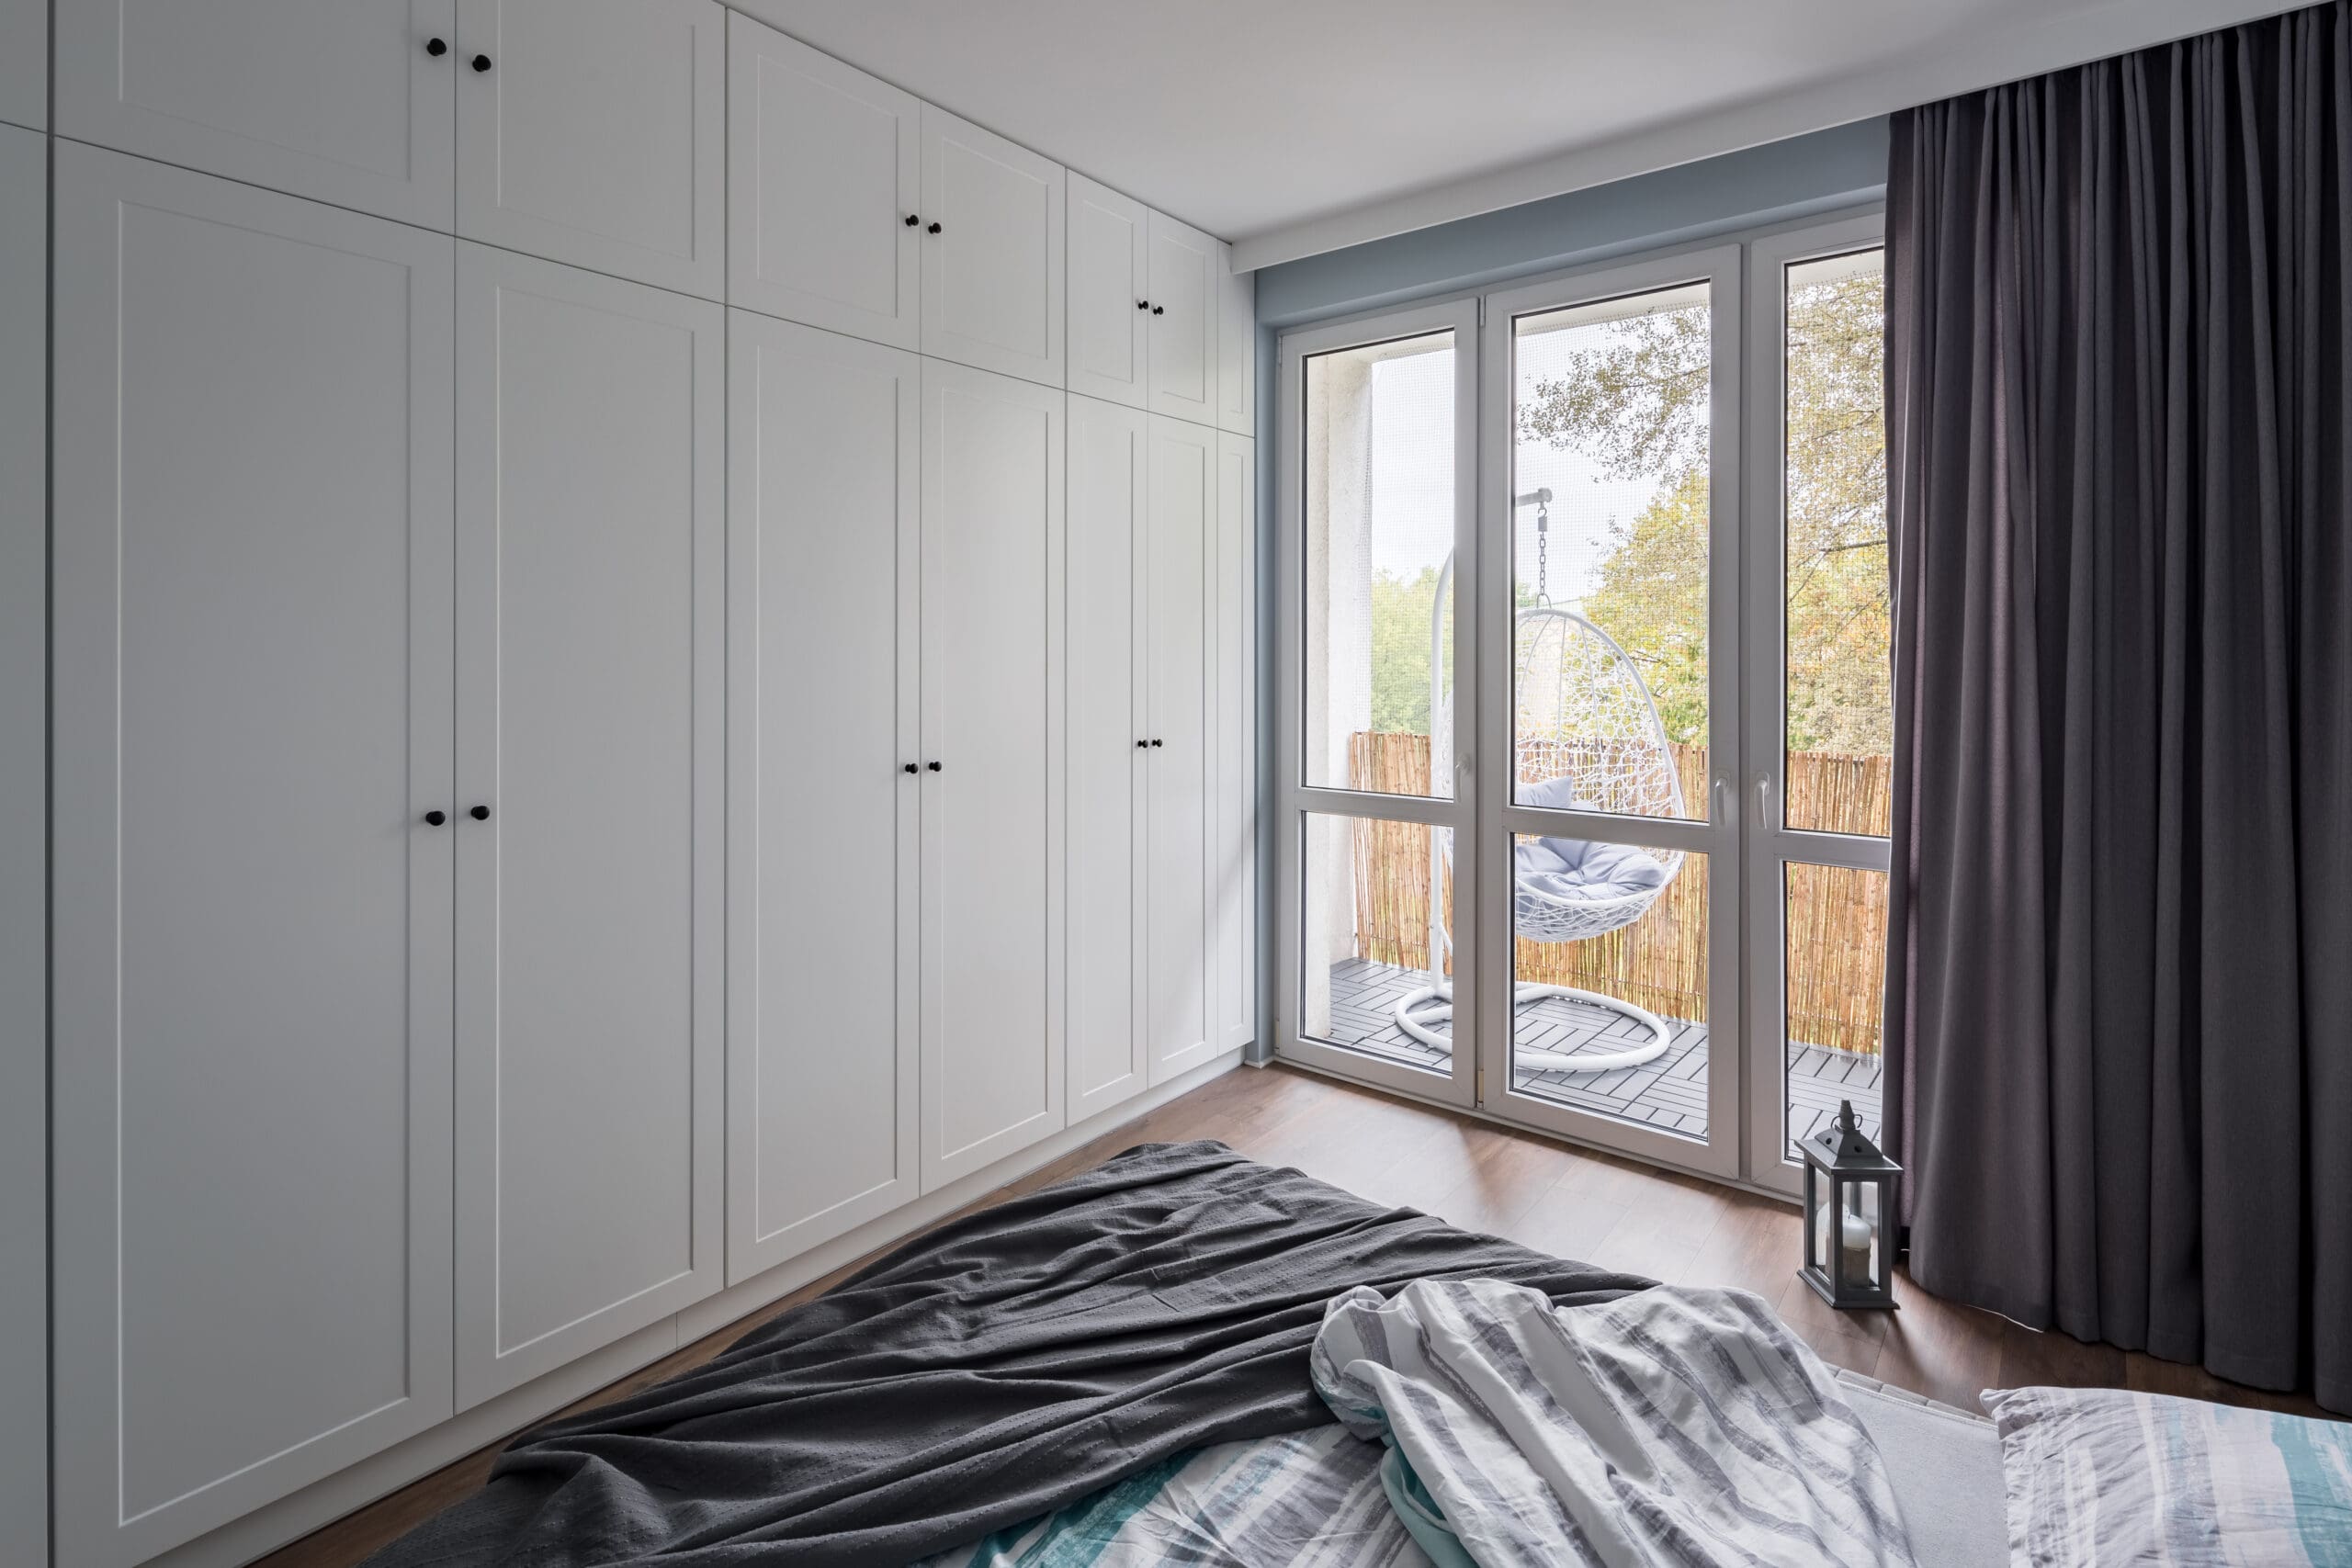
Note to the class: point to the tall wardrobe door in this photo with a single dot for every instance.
(1183, 494)
(341, 103)
(1109, 754)
(1109, 312)
(593, 132)
(992, 1068)
(1186, 267)
(822, 999)
(1233, 797)
(824, 189)
(251, 918)
(589, 837)
(24, 67)
(992, 261)
(24, 839)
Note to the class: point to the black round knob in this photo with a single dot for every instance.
(933, 766)
(481, 63)
(479, 813)
(913, 219)
(910, 767)
(435, 819)
(1143, 304)
(934, 227)
(1155, 740)
(1158, 311)
(1141, 744)
(435, 46)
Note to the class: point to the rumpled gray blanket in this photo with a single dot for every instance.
(1001, 1366)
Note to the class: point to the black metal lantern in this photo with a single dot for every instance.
(1849, 1216)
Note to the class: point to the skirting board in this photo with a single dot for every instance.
(291, 1517)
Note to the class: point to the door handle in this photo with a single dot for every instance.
(933, 766)
(912, 768)
(481, 63)
(479, 813)
(1764, 801)
(913, 219)
(435, 819)
(435, 46)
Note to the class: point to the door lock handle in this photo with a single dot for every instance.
(1764, 801)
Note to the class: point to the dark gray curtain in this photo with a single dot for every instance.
(2119, 977)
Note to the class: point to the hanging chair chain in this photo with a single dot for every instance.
(1542, 552)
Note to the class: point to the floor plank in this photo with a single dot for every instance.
(1569, 1201)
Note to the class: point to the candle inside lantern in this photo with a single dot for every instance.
(1855, 1235)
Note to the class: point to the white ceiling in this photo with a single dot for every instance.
(1297, 125)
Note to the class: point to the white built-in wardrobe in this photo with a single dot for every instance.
(651, 684)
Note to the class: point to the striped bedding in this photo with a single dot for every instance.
(1673, 1426)
(1309, 1499)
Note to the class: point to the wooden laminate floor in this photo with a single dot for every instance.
(1567, 1201)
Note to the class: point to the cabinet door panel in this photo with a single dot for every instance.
(1186, 267)
(24, 839)
(1236, 349)
(1107, 321)
(825, 165)
(1108, 763)
(1233, 839)
(24, 65)
(992, 813)
(339, 102)
(589, 964)
(1183, 492)
(822, 999)
(992, 274)
(252, 924)
(597, 135)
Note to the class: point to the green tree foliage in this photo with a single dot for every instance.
(1400, 651)
(1638, 403)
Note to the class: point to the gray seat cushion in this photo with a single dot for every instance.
(1945, 1466)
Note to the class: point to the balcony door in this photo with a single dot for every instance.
(1582, 744)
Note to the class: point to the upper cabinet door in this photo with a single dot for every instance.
(1233, 795)
(345, 102)
(590, 794)
(1186, 267)
(1182, 500)
(24, 65)
(252, 916)
(825, 176)
(592, 131)
(992, 250)
(1236, 349)
(823, 683)
(992, 573)
(1109, 754)
(1108, 309)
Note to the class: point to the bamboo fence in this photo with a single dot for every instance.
(1837, 917)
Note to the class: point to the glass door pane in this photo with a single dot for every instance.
(1379, 460)
(1377, 545)
(1822, 761)
(1611, 503)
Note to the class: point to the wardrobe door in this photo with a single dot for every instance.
(992, 250)
(1236, 348)
(1108, 754)
(825, 173)
(822, 1000)
(1185, 267)
(1182, 495)
(1108, 309)
(592, 133)
(992, 566)
(24, 65)
(1233, 707)
(24, 839)
(250, 712)
(590, 604)
(344, 102)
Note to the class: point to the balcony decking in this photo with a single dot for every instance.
(1670, 1093)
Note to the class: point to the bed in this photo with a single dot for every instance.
(1145, 1348)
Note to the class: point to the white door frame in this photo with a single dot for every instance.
(1716, 834)
(1293, 798)
(1770, 843)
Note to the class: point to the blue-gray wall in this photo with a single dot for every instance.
(1804, 176)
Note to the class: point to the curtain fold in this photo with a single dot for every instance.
(2120, 978)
